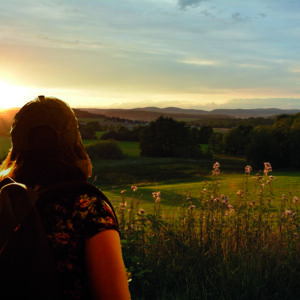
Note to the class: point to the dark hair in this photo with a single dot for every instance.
(45, 161)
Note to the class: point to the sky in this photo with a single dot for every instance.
(200, 54)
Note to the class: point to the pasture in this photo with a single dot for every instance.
(193, 229)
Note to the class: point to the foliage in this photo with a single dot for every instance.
(104, 150)
(166, 137)
(263, 146)
(216, 142)
(88, 130)
(233, 122)
(214, 247)
(236, 140)
(123, 133)
(205, 133)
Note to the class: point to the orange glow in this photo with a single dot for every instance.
(11, 95)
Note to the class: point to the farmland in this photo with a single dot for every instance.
(193, 229)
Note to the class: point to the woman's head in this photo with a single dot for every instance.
(46, 144)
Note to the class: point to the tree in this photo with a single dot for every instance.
(166, 137)
(263, 147)
(236, 140)
(204, 134)
(216, 142)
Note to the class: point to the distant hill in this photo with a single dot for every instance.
(152, 113)
(86, 114)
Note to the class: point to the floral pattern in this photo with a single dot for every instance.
(69, 221)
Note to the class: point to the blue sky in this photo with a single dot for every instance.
(202, 54)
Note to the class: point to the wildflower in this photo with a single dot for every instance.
(288, 212)
(156, 194)
(217, 200)
(157, 200)
(230, 207)
(296, 199)
(268, 168)
(141, 211)
(216, 166)
(188, 198)
(240, 192)
(192, 207)
(262, 185)
(216, 172)
(123, 205)
(123, 192)
(203, 191)
(134, 188)
(248, 169)
(271, 177)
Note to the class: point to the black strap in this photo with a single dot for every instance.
(16, 203)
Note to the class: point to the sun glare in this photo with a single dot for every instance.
(11, 95)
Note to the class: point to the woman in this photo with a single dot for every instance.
(81, 228)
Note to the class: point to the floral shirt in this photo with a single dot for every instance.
(69, 221)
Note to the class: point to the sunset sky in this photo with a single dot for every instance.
(201, 54)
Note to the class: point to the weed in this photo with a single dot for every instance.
(214, 247)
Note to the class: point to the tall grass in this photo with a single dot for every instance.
(214, 247)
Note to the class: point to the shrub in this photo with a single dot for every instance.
(104, 150)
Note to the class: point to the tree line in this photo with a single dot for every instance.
(277, 142)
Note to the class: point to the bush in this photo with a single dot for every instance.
(105, 150)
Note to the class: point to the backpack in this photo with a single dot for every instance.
(26, 262)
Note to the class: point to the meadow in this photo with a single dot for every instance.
(198, 229)
(204, 229)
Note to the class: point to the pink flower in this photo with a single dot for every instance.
(248, 169)
(134, 188)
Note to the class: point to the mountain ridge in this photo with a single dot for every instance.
(150, 113)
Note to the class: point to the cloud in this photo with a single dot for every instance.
(186, 3)
(198, 62)
(238, 17)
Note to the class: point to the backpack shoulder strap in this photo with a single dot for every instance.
(16, 202)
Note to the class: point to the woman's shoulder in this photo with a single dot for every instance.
(88, 210)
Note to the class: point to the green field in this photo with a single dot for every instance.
(4, 146)
(187, 242)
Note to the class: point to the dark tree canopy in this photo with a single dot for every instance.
(166, 137)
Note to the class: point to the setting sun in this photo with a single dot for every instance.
(11, 95)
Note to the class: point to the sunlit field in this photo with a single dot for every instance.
(204, 229)
(193, 241)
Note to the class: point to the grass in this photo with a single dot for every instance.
(4, 146)
(211, 247)
(204, 234)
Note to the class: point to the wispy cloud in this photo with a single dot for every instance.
(253, 66)
(186, 3)
(199, 62)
